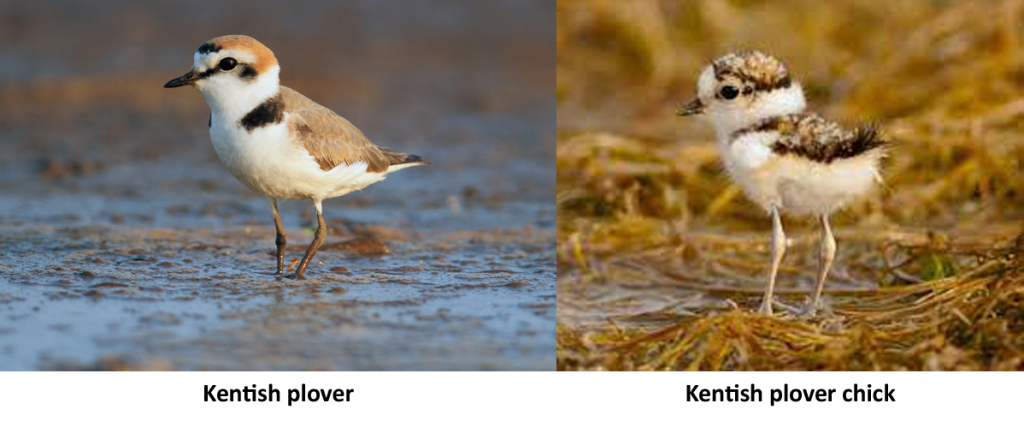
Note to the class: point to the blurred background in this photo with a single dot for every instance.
(125, 244)
(652, 234)
(79, 92)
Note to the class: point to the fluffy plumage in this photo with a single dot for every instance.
(763, 71)
(814, 138)
(781, 157)
(785, 160)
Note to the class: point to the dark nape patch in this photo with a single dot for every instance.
(207, 48)
(248, 73)
(269, 112)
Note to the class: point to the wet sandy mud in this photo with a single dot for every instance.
(124, 244)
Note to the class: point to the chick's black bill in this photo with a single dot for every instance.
(692, 108)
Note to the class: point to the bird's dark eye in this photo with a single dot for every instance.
(728, 92)
(228, 64)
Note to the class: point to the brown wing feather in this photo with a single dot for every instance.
(331, 139)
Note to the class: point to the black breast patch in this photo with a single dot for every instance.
(269, 112)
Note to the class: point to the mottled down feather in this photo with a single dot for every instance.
(332, 140)
(812, 137)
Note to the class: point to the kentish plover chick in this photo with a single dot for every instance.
(278, 142)
(784, 159)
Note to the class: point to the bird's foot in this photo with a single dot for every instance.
(777, 305)
(294, 276)
(813, 309)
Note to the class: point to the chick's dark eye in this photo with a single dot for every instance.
(729, 92)
(227, 64)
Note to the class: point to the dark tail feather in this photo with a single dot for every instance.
(402, 159)
(866, 138)
(412, 158)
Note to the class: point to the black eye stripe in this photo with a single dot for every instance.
(207, 73)
(248, 72)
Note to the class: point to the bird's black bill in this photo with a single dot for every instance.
(186, 79)
(692, 108)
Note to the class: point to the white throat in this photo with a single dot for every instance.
(231, 98)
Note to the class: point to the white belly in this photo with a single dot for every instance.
(269, 163)
(797, 185)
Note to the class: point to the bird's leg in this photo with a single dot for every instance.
(281, 240)
(318, 239)
(827, 254)
(777, 249)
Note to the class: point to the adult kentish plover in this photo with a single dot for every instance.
(784, 159)
(278, 142)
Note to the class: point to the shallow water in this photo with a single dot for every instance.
(171, 306)
(185, 281)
